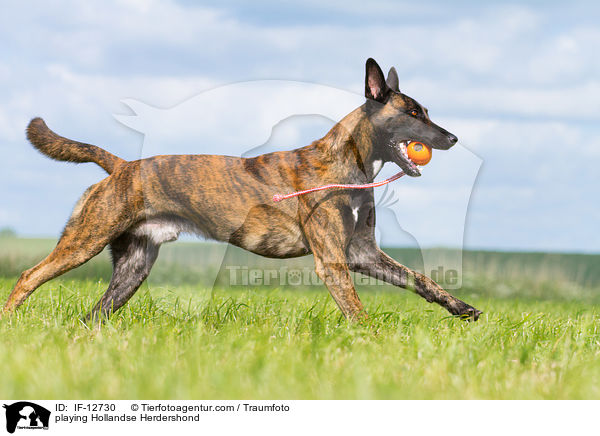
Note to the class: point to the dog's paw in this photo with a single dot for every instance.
(466, 312)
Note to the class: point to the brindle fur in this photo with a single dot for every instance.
(145, 203)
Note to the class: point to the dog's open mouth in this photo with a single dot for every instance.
(400, 153)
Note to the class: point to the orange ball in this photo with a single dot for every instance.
(419, 153)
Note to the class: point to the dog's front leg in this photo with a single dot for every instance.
(366, 258)
(338, 280)
(327, 237)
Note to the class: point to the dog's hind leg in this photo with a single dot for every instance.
(99, 217)
(72, 250)
(133, 258)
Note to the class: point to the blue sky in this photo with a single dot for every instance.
(518, 83)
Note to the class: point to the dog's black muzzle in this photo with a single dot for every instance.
(444, 141)
(421, 131)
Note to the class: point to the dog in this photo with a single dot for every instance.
(145, 203)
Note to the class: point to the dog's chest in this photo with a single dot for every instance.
(359, 207)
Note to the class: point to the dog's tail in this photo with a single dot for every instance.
(59, 148)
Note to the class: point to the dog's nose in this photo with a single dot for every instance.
(452, 138)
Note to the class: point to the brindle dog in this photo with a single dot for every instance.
(145, 203)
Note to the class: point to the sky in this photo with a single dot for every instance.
(518, 83)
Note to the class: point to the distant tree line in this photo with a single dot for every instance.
(7, 232)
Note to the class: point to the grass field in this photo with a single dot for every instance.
(179, 338)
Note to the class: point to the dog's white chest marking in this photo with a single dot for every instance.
(355, 213)
(377, 165)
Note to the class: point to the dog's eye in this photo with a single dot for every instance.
(414, 112)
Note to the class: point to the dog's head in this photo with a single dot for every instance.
(398, 119)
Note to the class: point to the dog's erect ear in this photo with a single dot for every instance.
(375, 86)
(392, 80)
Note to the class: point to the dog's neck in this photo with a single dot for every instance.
(350, 147)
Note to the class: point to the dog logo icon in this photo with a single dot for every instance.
(26, 415)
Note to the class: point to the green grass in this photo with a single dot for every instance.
(185, 340)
